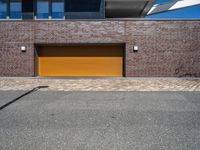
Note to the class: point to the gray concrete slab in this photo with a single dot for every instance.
(101, 120)
(6, 96)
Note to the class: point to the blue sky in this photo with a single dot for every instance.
(190, 12)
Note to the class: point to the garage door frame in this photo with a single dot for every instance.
(37, 48)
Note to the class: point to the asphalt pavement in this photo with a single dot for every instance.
(52, 120)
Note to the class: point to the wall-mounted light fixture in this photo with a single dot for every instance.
(135, 48)
(23, 49)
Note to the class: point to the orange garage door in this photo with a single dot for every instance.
(80, 61)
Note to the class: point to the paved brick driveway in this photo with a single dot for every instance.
(104, 84)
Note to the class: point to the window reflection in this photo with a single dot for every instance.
(58, 9)
(3, 8)
(15, 9)
(42, 9)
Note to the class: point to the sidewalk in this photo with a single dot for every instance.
(102, 84)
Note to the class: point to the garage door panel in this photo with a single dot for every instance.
(72, 65)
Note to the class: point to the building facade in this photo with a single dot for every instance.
(84, 38)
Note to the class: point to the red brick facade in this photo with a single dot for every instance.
(166, 48)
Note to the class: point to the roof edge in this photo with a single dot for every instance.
(146, 9)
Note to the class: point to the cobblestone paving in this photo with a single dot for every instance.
(110, 84)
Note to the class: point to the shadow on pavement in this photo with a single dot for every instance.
(16, 99)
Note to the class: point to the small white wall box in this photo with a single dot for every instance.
(23, 49)
(135, 48)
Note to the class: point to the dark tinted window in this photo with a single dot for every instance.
(58, 9)
(27, 5)
(84, 9)
(42, 9)
(3, 8)
(15, 9)
(27, 9)
(83, 5)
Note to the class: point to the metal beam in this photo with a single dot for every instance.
(8, 9)
(172, 5)
(147, 7)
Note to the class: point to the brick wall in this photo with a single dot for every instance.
(13, 62)
(166, 48)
